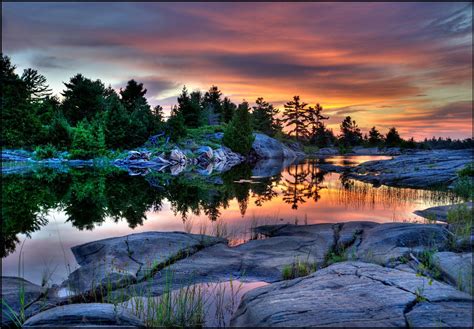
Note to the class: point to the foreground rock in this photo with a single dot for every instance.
(354, 294)
(391, 243)
(440, 213)
(121, 261)
(420, 169)
(456, 268)
(85, 315)
(11, 296)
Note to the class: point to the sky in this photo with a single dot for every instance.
(407, 65)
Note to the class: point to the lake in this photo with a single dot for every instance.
(46, 212)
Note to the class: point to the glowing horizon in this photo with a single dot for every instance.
(407, 65)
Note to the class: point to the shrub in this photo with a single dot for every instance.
(464, 186)
(460, 220)
(297, 269)
(88, 141)
(46, 152)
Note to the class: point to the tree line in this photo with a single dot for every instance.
(92, 118)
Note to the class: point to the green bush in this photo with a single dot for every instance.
(464, 186)
(460, 221)
(46, 152)
(297, 269)
(88, 141)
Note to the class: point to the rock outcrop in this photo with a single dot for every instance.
(17, 296)
(354, 294)
(266, 147)
(95, 315)
(421, 169)
(440, 213)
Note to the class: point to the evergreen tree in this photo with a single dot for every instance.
(117, 124)
(83, 99)
(175, 127)
(350, 132)
(314, 120)
(20, 126)
(158, 117)
(59, 132)
(132, 94)
(228, 110)
(294, 115)
(263, 117)
(238, 134)
(212, 105)
(35, 84)
(190, 107)
(393, 138)
(375, 138)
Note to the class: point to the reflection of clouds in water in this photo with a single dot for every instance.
(131, 204)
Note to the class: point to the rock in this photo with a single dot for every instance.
(325, 151)
(16, 156)
(449, 314)
(439, 213)
(421, 169)
(456, 269)
(269, 148)
(177, 169)
(350, 294)
(117, 262)
(138, 155)
(80, 315)
(268, 168)
(11, 287)
(177, 156)
(256, 260)
(386, 243)
(205, 151)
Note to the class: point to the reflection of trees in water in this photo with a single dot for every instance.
(305, 183)
(361, 195)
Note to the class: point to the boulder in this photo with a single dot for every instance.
(456, 268)
(387, 243)
(11, 287)
(350, 294)
(205, 151)
(266, 147)
(116, 262)
(138, 155)
(439, 213)
(85, 315)
(326, 151)
(177, 156)
(442, 314)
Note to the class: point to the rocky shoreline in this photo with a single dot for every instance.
(203, 159)
(354, 264)
(437, 168)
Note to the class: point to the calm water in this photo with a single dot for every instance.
(46, 212)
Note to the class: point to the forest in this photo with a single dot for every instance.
(90, 119)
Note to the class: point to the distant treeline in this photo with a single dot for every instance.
(91, 118)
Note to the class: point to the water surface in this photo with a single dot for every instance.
(46, 212)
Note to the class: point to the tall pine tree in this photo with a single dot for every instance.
(294, 116)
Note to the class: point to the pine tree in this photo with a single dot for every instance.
(228, 110)
(238, 134)
(212, 105)
(175, 127)
(263, 117)
(35, 84)
(133, 93)
(315, 119)
(83, 99)
(350, 132)
(375, 138)
(88, 141)
(294, 115)
(117, 124)
(393, 138)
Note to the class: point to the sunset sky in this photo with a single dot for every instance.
(407, 65)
